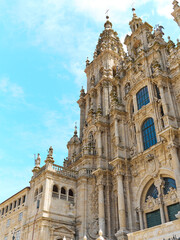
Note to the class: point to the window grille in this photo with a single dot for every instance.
(20, 216)
(142, 97)
(153, 218)
(148, 133)
(18, 234)
(152, 192)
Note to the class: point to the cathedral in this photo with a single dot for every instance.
(122, 173)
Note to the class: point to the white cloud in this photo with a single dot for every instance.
(55, 25)
(10, 88)
(164, 8)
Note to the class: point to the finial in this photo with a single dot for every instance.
(100, 233)
(107, 14)
(75, 129)
(178, 40)
(49, 157)
(169, 38)
(87, 62)
(107, 24)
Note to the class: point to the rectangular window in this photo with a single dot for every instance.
(19, 201)
(15, 203)
(18, 234)
(20, 216)
(10, 207)
(8, 223)
(3, 211)
(142, 97)
(6, 209)
(173, 210)
(24, 198)
(153, 218)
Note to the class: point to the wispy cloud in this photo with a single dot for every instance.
(10, 88)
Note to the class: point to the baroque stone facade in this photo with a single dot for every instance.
(122, 174)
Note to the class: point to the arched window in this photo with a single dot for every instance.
(63, 193)
(55, 188)
(148, 133)
(152, 192)
(114, 71)
(55, 192)
(168, 183)
(35, 195)
(156, 214)
(71, 196)
(142, 97)
(41, 189)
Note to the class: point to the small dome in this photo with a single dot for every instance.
(107, 24)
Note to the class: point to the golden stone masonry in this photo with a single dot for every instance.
(122, 174)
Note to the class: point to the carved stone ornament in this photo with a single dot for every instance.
(171, 195)
(151, 203)
(151, 165)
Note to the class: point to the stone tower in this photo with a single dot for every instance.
(122, 173)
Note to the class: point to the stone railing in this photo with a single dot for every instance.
(165, 231)
(65, 172)
(85, 238)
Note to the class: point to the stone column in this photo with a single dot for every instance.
(99, 97)
(119, 93)
(121, 203)
(116, 130)
(106, 97)
(82, 206)
(140, 213)
(101, 206)
(176, 166)
(135, 103)
(99, 143)
(82, 118)
(163, 100)
(158, 184)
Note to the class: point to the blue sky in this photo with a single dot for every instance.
(43, 48)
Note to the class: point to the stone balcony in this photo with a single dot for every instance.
(164, 231)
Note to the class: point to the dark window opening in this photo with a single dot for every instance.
(19, 201)
(142, 97)
(24, 198)
(71, 193)
(6, 209)
(168, 183)
(173, 210)
(10, 207)
(63, 193)
(157, 92)
(152, 192)
(55, 189)
(153, 218)
(162, 112)
(148, 133)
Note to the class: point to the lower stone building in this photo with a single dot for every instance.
(122, 174)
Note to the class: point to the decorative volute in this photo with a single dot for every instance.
(108, 40)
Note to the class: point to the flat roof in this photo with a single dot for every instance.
(16, 194)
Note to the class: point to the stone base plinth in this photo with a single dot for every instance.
(122, 235)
